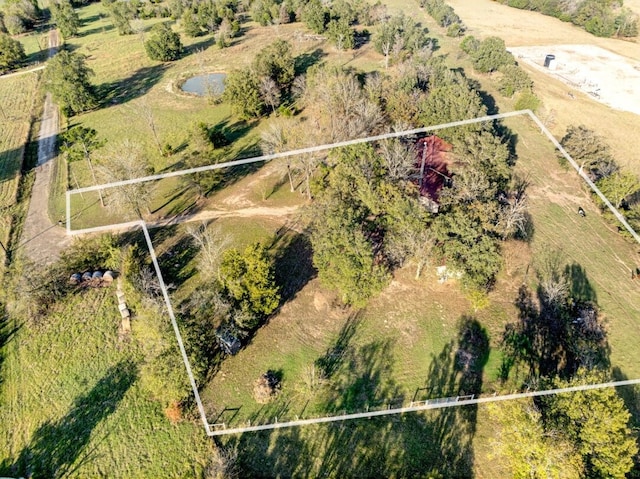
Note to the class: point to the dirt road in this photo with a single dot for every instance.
(42, 239)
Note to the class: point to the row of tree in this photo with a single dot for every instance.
(490, 55)
(603, 18)
(445, 15)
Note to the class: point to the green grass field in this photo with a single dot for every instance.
(73, 404)
(17, 96)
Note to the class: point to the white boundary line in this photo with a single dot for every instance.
(425, 407)
(183, 351)
(314, 149)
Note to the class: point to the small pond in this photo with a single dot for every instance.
(201, 85)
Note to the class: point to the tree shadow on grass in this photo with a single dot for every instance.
(126, 89)
(581, 289)
(7, 330)
(58, 449)
(176, 263)
(91, 31)
(293, 262)
(203, 44)
(556, 336)
(306, 60)
(408, 445)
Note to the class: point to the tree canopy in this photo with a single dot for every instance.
(11, 53)
(65, 17)
(597, 422)
(242, 91)
(276, 62)
(249, 279)
(164, 45)
(67, 78)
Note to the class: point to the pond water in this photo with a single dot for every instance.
(201, 85)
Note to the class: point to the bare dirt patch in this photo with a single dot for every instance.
(606, 76)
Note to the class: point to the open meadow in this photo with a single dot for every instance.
(73, 404)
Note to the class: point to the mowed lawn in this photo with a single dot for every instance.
(72, 403)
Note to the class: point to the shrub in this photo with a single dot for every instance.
(164, 44)
(528, 101)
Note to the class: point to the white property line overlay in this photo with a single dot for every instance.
(425, 407)
(314, 149)
(183, 351)
(330, 146)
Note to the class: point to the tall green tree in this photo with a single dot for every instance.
(164, 44)
(529, 451)
(65, 17)
(490, 55)
(315, 16)
(78, 143)
(597, 422)
(121, 14)
(242, 91)
(249, 278)
(11, 53)
(276, 62)
(344, 256)
(67, 78)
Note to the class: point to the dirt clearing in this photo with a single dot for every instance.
(606, 76)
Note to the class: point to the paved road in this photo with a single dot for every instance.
(42, 239)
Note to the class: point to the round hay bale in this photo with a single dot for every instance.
(266, 387)
(75, 278)
(97, 275)
(108, 276)
(86, 276)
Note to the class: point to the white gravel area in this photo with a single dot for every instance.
(609, 78)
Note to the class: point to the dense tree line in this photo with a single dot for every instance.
(490, 55)
(603, 18)
(445, 15)
(368, 214)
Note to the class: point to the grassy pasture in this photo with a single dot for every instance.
(17, 95)
(590, 242)
(72, 402)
